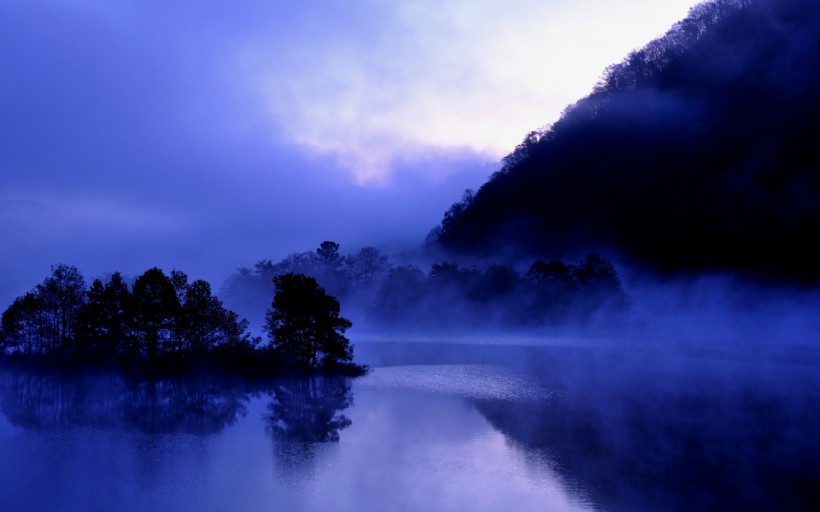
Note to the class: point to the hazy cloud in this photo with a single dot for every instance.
(453, 74)
(206, 135)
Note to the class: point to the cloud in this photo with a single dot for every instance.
(206, 135)
(452, 74)
(373, 84)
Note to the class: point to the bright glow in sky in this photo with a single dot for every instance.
(441, 74)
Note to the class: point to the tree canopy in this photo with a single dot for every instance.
(160, 318)
(304, 324)
(498, 293)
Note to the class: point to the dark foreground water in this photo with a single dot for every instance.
(572, 425)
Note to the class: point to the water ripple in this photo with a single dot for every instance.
(480, 381)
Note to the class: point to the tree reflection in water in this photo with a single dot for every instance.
(305, 410)
(648, 432)
(309, 409)
(51, 401)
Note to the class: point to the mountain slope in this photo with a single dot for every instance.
(696, 152)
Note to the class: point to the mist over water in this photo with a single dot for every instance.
(440, 423)
(704, 392)
(725, 311)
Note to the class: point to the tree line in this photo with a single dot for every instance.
(159, 317)
(547, 292)
(166, 321)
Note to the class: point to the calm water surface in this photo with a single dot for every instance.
(435, 426)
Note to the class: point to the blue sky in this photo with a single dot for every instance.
(205, 135)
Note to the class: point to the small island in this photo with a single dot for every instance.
(164, 323)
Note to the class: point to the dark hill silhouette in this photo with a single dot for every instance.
(697, 152)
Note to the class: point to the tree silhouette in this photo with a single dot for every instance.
(367, 267)
(44, 321)
(105, 321)
(61, 295)
(329, 257)
(22, 326)
(304, 325)
(205, 324)
(156, 308)
(163, 321)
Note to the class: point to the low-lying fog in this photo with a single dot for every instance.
(441, 423)
(703, 394)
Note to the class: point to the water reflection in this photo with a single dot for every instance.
(59, 401)
(305, 416)
(641, 433)
(308, 410)
(642, 428)
(549, 429)
(108, 441)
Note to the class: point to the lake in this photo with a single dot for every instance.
(515, 424)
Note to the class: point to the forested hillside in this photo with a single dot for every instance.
(697, 152)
